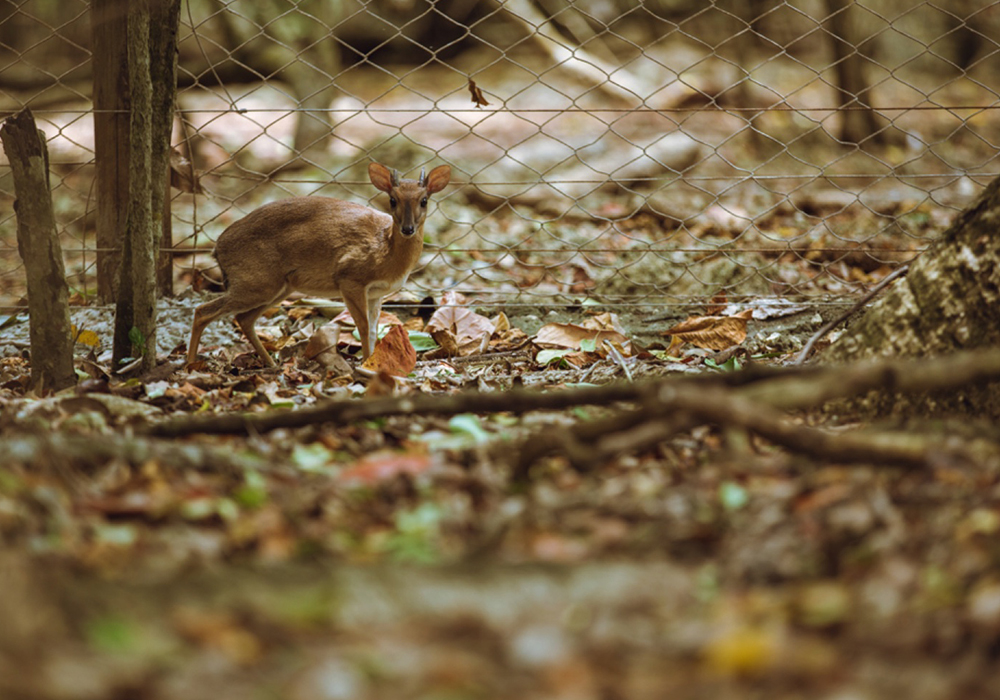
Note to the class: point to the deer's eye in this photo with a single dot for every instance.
(392, 202)
(423, 202)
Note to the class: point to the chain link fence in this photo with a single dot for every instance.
(620, 152)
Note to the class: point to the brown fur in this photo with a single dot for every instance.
(323, 247)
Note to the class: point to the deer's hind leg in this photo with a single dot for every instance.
(247, 319)
(246, 307)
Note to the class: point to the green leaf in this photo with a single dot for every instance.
(122, 535)
(468, 424)
(417, 534)
(665, 356)
(588, 344)
(730, 365)
(732, 495)
(313, 458)
(422, 341)
(547, 357)
(138, 340)
(253, 492)
(111, 633)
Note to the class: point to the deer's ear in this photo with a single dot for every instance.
(381, 177)
(438, 179)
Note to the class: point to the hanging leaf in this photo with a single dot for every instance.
(477, 95)
(182, 174)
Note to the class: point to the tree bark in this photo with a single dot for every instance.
(109, 30)
(38, 244)
(860, 124)
(152, 62)
(949, 300)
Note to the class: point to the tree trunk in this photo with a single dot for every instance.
(38, 244)
(109, 28)
(860, 124)
(152, 62)
(949, 300)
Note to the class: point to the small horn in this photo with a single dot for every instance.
(423, 177)
(395, 178)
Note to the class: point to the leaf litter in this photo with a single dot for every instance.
(396, 557)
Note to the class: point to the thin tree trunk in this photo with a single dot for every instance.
(152, 41)
(38, 244)
(109, 20)
(860, 124)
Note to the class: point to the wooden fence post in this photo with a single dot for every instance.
(38, 244)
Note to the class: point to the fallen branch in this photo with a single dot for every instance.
(783, 389)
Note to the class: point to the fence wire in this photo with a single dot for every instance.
(623, 152)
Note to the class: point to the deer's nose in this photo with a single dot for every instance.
(407, 230)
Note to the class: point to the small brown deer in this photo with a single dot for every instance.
(322, 247)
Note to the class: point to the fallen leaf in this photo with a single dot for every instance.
(717, 304)
(384, 319)
(501, 324)
(742, 651)
(379, 468)
(606, 321)
(393, 354)
(711, 332)
(85, 337)
(569, 335)
(463, 322)
(382, 384)
(322, 347)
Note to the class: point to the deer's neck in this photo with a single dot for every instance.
(404, 251)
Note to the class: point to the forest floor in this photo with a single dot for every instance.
(419, 554)
(642, 544)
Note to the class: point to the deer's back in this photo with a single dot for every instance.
(293, 232)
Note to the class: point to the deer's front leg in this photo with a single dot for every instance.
(374, 311)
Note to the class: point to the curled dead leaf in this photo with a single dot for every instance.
(711, 332)
(477, 95)
(393, 354)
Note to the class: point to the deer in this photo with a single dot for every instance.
(323, 247)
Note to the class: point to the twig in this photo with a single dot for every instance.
(613, 351)
(827, 327)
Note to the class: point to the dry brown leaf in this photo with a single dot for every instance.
(297, 313)
(182, 174)
(465, 323)
(322, 347)
(569, 335)
(712, 332)
(385, 319)
(379, 468)
(393, 354)
(501, 324)
(606, 321)
(447, 345)
(477, 95)
(717, 304)
(508, 340)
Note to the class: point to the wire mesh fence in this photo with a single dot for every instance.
(622, 152)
